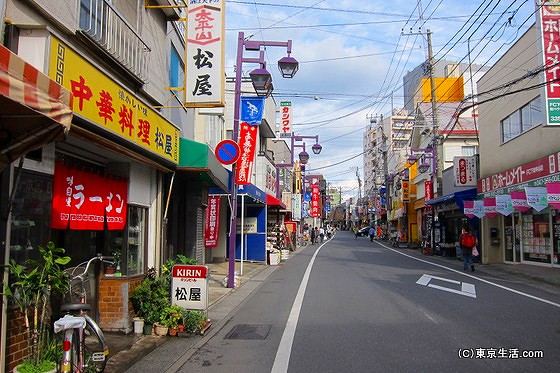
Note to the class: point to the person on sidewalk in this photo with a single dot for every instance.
(313, 232)
(468, 241)
(371, 233)
(321, 234)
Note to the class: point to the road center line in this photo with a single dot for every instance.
(282, 358)
(474, 277)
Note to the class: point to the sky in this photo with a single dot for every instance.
(353, 56)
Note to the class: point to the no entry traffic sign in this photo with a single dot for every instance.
(227, 152)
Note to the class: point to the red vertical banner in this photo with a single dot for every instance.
(211, 223)
(315, 201)
(84, 200)
(247, 144)
(428, 191)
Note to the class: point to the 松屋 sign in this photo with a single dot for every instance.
(189, 287)
(205, 58)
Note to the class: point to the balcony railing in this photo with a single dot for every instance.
(108, 29)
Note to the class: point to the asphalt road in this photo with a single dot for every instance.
(356, 306)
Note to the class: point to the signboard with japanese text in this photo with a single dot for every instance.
(465, 171)
(102, 101)
(212, 222)
(205, 78)
(247, 143)
(189, 287)
(315, 201)
(296, 206)
(548, 18)
(286, 118)
(553, 194)
(428, 191)
(83, 200)
(535, 173)
(504, 205)
(405, 191)
(250, 225)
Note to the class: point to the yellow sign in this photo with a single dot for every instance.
(447, 89)
(101, 100)
(405, 191)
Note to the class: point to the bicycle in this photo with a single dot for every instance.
(84, 346)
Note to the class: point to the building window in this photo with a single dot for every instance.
(176, 71)
(522, 120)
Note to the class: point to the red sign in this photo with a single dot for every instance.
(212, 223)
(542, 167)
(549, 27)
(84, 200)
(315, 198)
(428, 192)
(247, 144)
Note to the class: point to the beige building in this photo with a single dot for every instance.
(517, 151)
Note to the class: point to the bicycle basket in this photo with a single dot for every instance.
(79, 290)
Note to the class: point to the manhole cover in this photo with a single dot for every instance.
(247, 331)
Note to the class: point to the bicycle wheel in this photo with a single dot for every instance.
(95, 348)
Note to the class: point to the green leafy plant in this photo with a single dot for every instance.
(171, 316)
(150, 298)
(193, 320)
(30, 289)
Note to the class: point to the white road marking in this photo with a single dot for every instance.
(466, 288)
(474, 277)
(282, 358)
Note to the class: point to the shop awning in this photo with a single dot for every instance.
(459, 197)
(250, 190)
(35, 110)
(198, 157)
(274, 202)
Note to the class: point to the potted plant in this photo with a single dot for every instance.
(194, 321)
(149, 299)
(170, 317)
(117, 262)
(30, 290)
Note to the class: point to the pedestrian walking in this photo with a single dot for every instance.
(321, 234)
(468, 242)
(313, 232)
(371, 233)
(355, 229)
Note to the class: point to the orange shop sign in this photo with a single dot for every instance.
(101, 100)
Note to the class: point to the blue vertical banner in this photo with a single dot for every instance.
(252, 109)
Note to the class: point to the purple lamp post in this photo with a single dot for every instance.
(262, 82)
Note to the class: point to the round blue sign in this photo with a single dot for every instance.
(227, 152)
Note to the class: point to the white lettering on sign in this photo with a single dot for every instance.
(189, 273)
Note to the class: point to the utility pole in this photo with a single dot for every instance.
(437, 144)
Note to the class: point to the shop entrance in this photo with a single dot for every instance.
(512, 235)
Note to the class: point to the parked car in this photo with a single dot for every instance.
(363, 232)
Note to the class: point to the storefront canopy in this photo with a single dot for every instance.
(459, 197)
(198, 157)
(257, 195)
(35, 110)
(274, 202)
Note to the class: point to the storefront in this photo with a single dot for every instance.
(521, 213)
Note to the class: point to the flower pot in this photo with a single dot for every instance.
(148, 329)
(181, 328)
(138, 324)
(172, 331)
(161, 330)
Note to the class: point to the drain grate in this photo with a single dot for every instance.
(248, 331)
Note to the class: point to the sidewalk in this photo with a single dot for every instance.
(126, 350)
(141, 353)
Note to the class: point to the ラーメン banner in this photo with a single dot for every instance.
(83, 200)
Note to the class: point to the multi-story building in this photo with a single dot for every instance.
(519, 216)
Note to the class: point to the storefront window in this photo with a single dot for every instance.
(30, 215)
(536, 237)
(129, 245)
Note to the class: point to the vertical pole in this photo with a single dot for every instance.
(242, 234)
(436, 180)
(233, 186)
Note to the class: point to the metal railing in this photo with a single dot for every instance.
(108, 29)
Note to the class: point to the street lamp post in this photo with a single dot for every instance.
(262, 82)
